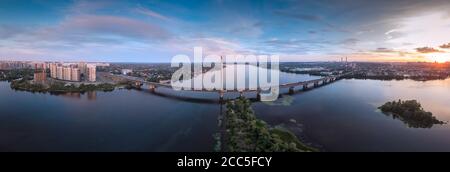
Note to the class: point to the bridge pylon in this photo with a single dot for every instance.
(152, 87)
(241, 93)
(258, 94)
(221, 95)
(291, 90)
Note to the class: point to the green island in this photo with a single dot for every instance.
(245, 133)
(411, 113)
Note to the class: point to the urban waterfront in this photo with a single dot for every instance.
(211, 85)
(342, 116)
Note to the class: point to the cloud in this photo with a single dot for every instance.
(422, 30)
(400, 53)
(282, 42)
(394, 34)
(299, 16)
(92, 36)
(445, 46)
(295, 46)
(85, 6)
(312, 27)
(9, 31)
(350, 41)
(95, 26)
(384, 50)
(151, 13)
(245, 27)
(428, 50)
(210, 45)
(293, 13)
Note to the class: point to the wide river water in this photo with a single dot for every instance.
(341, 116)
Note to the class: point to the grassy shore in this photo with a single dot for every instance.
(246, 133)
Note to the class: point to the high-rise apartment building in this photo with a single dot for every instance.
(73, 71)
(75, 74)
(40, 76)
(53, 71)
(82, 67)
(67, 73)
(91, 73)
(59, 72)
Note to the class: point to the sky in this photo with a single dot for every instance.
(157, 30)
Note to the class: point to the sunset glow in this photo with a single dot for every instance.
(153, 32)
(439, 57)
(210, 81)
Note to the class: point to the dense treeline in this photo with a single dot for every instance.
(26, 85)
(10, 75)
(393, 77)
(246, 133)
(411, 113)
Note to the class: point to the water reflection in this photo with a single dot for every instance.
(75, 95)
(341, 116)
(92, 95)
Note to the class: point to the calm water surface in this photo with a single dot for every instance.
(339, 117)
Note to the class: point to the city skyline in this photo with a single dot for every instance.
(141, 31)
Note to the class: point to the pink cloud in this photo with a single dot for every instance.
(91, 28)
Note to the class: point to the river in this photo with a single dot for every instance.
(341, 116)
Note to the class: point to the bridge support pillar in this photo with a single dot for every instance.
(291, 90)
(258, 94)
(241, 93)
(221, 94)
(138, 84)
(305, 87)
(152, 88)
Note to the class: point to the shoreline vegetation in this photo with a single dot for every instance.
(21, 80)
(10, 75)
(243, 132)
(59, 87)
(411, 113)
(374, 77)
(395, 77)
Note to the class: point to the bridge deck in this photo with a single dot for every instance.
(286, 85)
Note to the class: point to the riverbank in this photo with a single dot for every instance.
(10, 75)
(245, 133)
(59, 86)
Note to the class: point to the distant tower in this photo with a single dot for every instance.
(221, 71)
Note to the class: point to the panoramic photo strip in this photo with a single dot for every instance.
(210, 84)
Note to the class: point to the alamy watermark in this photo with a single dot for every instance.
(230, 72)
